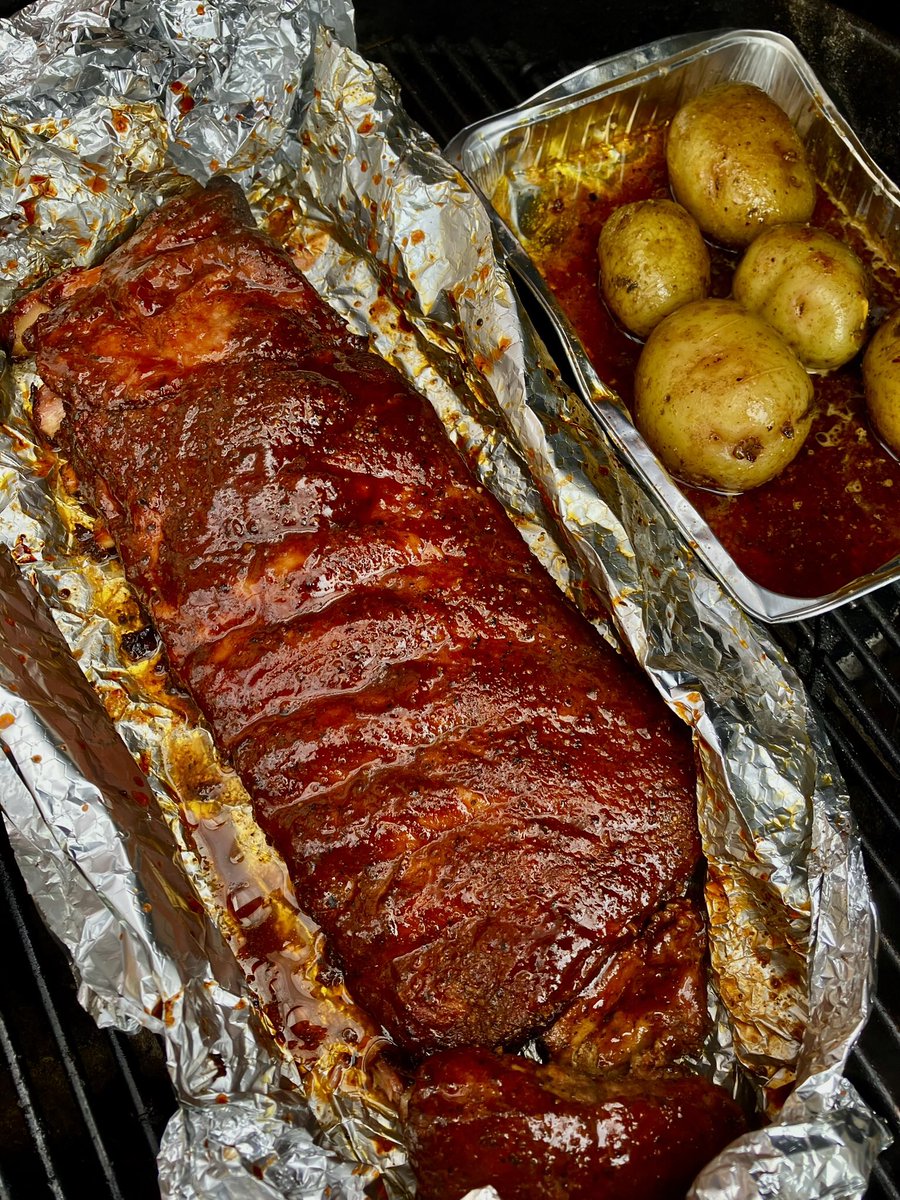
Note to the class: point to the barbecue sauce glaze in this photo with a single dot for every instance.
(488, 811)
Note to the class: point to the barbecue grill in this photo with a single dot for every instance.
(81, 1108)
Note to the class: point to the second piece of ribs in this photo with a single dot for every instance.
(477, 799)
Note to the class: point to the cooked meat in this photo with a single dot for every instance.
(489, 812)
(543, 1133)
(477, 799)
(647, 1007)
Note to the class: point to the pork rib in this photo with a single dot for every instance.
(479, 1119)
(476, 798)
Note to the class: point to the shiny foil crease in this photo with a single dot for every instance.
(104, 113)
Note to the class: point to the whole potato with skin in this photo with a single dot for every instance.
(812, 288)
(652, 260)
(720, 397)
(737, 164)
(881, 379)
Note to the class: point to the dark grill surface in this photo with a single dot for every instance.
(82, 1109)
(850, 661)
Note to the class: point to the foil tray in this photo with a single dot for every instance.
(624, 92)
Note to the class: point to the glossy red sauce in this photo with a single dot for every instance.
(834, 514)
(476, 799)
(534, 1132)
(478, 802)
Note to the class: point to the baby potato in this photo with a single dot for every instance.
(737, 164)
(652, 260)
(881, 379)
(812, 288)
(720, 396)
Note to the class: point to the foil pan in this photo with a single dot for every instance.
(582, 127)
(137, 841)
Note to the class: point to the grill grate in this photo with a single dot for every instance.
(850, 662)
(449, 85)
(82, 1109)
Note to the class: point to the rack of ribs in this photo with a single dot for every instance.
(482, 805)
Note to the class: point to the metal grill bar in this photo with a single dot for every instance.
(448, 84)
(29, 1112)
(869, 660)
(885, 621)
(142, 1108)
(883, 1186)
(865, 713)
(84, 1108)
(489, 83)
(78, 1085)
(866, 790)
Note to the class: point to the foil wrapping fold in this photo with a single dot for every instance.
(121, 815)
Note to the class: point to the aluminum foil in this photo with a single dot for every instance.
(586, 133)
(120, 812)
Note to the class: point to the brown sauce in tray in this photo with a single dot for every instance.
(834, 514)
